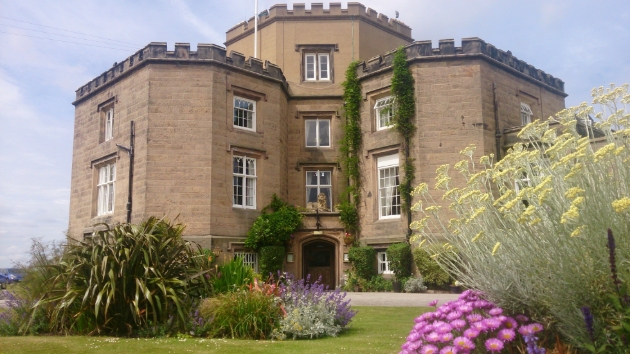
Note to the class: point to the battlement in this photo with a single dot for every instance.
(470, 47)
(157, 52)
(355, 11)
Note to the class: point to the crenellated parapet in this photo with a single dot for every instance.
(355, 11)
(157, 52)
(470, 47)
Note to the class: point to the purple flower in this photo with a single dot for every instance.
(492, 323)
(536, 327)
(471, 333)
(464, 343)
(510, 323)
(588, 320)
(496, 311)
(526, 331)
(448, 350)
(413, 336)
(458, 324)
(494, 345)
(479, 326)
(446, 337)
(465, 308)
(522, 318)
(475, 317)
(433, 303)
(432, 337)
(506, 335)
(429, 349)
(443, 328)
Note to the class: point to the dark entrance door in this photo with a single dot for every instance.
(319, 261)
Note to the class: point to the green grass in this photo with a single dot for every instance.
(374, 330)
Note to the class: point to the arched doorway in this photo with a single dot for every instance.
(319, 261)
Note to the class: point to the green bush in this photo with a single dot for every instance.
(274, 228)
(363, 260)
(232, 276)
(348, 216)
(270, 260)
(539, 245)
(399, 257)
(376, 284)
(428, 267)
(244, 314)
(126, 277)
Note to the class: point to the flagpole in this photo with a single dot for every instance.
(256, 29)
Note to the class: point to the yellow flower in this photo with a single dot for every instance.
(542, 184)
(577, 201)
(420, 189)
(496, 247)
(505, 196)
(417, 206)
(484, 160)
(449, 192)
(442, 169)
(621, 205)
(477, 236)
(570, 215)
(535, 221)
(574, 170)
(442, 182)
(433, 208)
(573, 192)
(578, 231)
(419, 224)
(461, 166)
(422, 243)
(468, 151)
(619, 150)
(601, 153)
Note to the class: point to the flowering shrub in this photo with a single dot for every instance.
(529, 228)
(471, 325)
(312, 312)
(415, 285)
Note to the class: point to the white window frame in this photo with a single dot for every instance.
(383, 263)
(388, 164)
(526, 114)
(384, 105)
(248, 190)
(317, 132)
(106, 189)
(109, 124)
(317, 63)
(250, 259)
(244, 110)
(319, 185)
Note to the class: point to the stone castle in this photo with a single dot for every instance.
(210, 135)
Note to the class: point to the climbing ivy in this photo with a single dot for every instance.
(351, 150)
(404, 112)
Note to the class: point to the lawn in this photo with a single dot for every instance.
(373, 330)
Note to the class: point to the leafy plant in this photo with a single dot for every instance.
(415, 285)
(126, 277)
(363, 260)
(271, 260)
(232, 276)
(519, 242)
(350, 147)
(376, 284)
(273, 228)
(399, 257)
(244, 314)
(403, 89)
(428, 266)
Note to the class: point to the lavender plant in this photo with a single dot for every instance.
(527, 228)
(311, 311)
(471, 325)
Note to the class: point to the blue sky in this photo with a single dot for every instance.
(585, 43)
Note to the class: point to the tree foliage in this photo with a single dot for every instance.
(273, 228)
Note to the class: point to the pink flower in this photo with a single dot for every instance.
(433, 303)
(479, 326)
(496, 311)
(494, 345)
(510, 323)
(492, 323)
(429, 349)
(475, 317)
(413, 336)
(522, 318)
(446, 337)
(453, 315)
(506, 335)
(525, 331)
(465, 308)
(471, 333)
(536, 327)
(448, 350)
(443, 328)
(464, 343)
(432, 337)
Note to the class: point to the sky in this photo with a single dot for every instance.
(51, 48)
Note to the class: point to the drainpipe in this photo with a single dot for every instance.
(130, 151)
(497, 131)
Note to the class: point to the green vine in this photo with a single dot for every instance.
(351, 150)
(403, 90)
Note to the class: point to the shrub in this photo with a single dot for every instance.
(244, 314)
(311, 311)
(415, 285)
(125, 278)
(232, 276)
(363, 260)
(376, 284)
(271, 260)
(399, 257)
(274, 228)
(541, 247)
(429, 268)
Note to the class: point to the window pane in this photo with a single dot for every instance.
(250, 192)
(311, 178)
(324, 132)
(324, 178)
(323, 67)
(310, 67)
(110, 198)
(326, 191)
(237, 165)
(311, 194)
(311, 132)
(251, 167)
(238, 190)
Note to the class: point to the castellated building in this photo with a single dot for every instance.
(217, 131)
